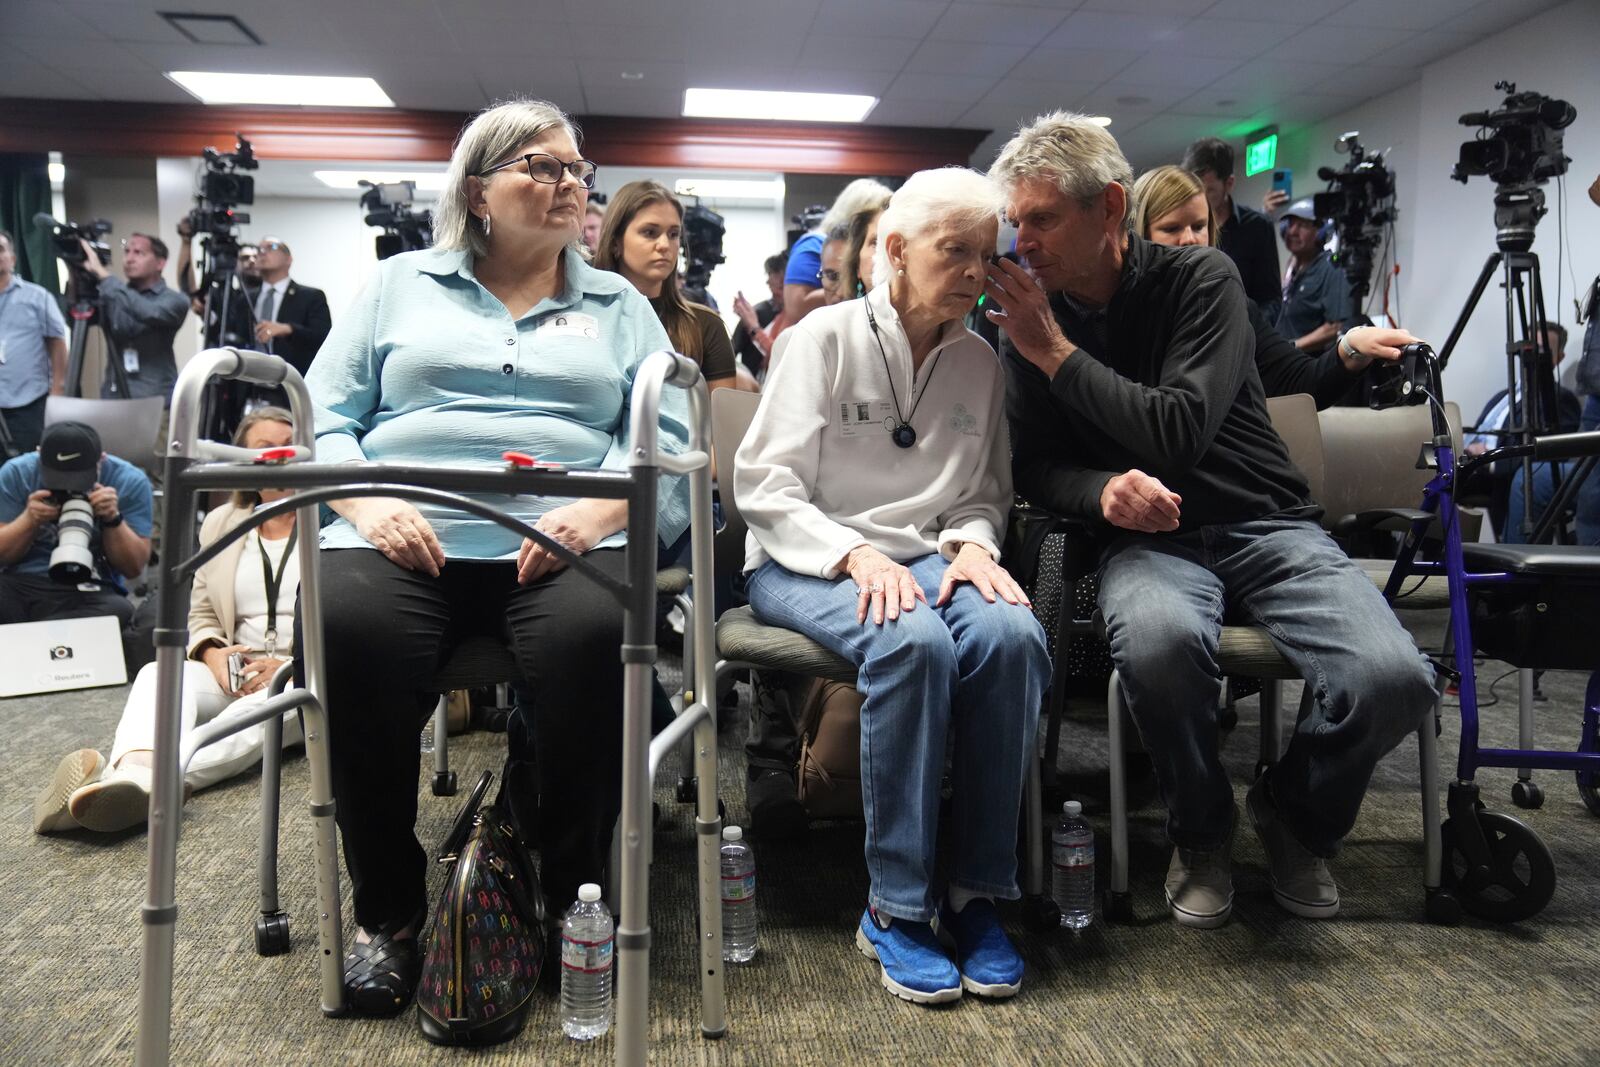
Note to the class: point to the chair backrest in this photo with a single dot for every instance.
(1370, 457)
(732, 411)
(1295, 419)
(128, 429)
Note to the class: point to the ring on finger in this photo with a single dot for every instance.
(875, 587)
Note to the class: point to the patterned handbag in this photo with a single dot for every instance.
(487, 942)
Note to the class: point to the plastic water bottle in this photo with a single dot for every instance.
(1072, 863)
(738, 897)
(586, 955)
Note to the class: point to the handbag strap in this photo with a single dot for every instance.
(457, 838)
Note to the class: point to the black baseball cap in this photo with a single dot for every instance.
(69, 457)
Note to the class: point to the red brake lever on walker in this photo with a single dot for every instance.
(527, 462)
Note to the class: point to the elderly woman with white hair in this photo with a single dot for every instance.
(499, 337)
(876, 481)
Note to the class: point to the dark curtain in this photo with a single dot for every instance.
(24, 193)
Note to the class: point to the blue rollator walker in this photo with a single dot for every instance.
(195, 466)
(1533, 606)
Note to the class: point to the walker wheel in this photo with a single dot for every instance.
(1119, 907)
(1443, 907)
(1519, 879)
(272, 934)
(1527, 794)
(444, 784)
(688, 789)
(1227, 718)
(1589, 784)
(1041, 913)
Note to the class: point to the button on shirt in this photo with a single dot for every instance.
(1313, 295)
(429, 367)
(28, 315)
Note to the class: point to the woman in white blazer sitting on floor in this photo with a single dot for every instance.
(242, 601)
(876, 479)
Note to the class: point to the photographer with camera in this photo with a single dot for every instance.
(292, 320)
(33, 354)
(142, 315)
(244, 279)
(74, 522)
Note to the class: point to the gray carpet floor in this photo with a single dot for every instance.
(1376, 985)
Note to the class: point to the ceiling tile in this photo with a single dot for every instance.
(747, 44)
(1073, 64)
(715, 17)
(1131, 97)
(625, 14)
(824, 80)
(1152, 7)
(915, 113)
(476, 34)
(1105, 29)
(1327, 39)
(122, 21)
(867, 53)
(1417, 50)
(958, 88)
(1411, 15)
(1301, 12)
(406, 24)
(881, 18)
(23, 76)
(996, 24)
(1039, 94)
(1228, 38)
(1273, 75)
(632, 103)
(1367, 81)
(949, 57)
(555, 80)
(30, 18)
(658, 77)
(1182, 72)
(989, 115)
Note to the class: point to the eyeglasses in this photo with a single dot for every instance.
(272, 246)
(832, 277)
(548, 169)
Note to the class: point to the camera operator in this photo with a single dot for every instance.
(52, 568)
(292, 320)
(141, 314)
(1244, 233)
(246, 280)
(33, 352)
(1316, 294)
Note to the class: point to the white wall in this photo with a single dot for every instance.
(1446, 229)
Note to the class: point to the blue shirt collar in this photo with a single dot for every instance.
(581, 278)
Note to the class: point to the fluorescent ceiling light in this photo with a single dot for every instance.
(1100, 120)
(426, 180)
(730, 188)
(298, 89)
(57, 172)
(762, 104)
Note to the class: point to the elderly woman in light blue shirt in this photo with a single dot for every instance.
(499, 337)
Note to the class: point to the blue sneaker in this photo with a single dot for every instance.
(990, 966)
(915, 966)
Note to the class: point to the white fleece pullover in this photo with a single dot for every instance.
(818, 473)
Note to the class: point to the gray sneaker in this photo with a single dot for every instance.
(1200, 885)
(1301, 883)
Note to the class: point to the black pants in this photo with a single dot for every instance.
(387, 630)
(37, 598)
(25, 424)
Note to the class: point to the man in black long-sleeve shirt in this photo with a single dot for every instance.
(1135, 404)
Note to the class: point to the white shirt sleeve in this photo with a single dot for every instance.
(775, 468)
(979, 514)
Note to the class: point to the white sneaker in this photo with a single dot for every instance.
(50, 814)
(117, 801)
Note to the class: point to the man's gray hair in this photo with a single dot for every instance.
(488, 139)
(949, 196)
(863, 194)
(1070, 150)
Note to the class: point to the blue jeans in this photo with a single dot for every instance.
(1164, 597)
(970, 671)
(1588, 503)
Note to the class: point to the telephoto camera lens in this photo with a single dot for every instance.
(72, 562)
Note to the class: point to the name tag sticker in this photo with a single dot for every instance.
(568, 324)
(861, 418)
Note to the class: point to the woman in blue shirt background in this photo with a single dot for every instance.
(499, 337)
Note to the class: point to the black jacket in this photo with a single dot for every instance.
(306, 310)
(1285, 369)
(1165, 381)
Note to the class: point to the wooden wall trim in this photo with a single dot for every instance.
(152, 130)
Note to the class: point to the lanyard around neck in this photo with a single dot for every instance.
(274, 583)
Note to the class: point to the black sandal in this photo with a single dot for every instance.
(380, 976)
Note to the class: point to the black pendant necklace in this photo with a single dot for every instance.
(904, 435)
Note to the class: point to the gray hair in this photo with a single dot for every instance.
(953, 196)
(488, 139)
(863, 194)
(1072, 151)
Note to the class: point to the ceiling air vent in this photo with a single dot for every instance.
(210, 29)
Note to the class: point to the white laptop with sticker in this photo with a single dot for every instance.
(46, 657)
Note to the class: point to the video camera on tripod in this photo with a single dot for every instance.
(1518, 147)
(66, 236)
(703, 230)
(405, 229)
(222, 190)
(1359, 202)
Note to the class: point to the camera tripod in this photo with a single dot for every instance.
(224, 400)
(1530, 374)
(86, 314)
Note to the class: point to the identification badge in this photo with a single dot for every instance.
(569, 324)
(2, 352)
(130, 360)
(862, 418)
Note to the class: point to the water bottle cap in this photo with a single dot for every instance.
(1072, 809)
(732, 833)
(588, 892)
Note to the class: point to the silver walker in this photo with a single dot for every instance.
(194, 466)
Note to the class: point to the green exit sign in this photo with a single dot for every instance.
(1261, 155)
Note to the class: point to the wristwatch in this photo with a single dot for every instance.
(115, 520)
(1346, 350)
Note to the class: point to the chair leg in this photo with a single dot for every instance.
(1272, 723)
(1441, 905)
(444, 779)
(1119, 905)
(272, 925)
